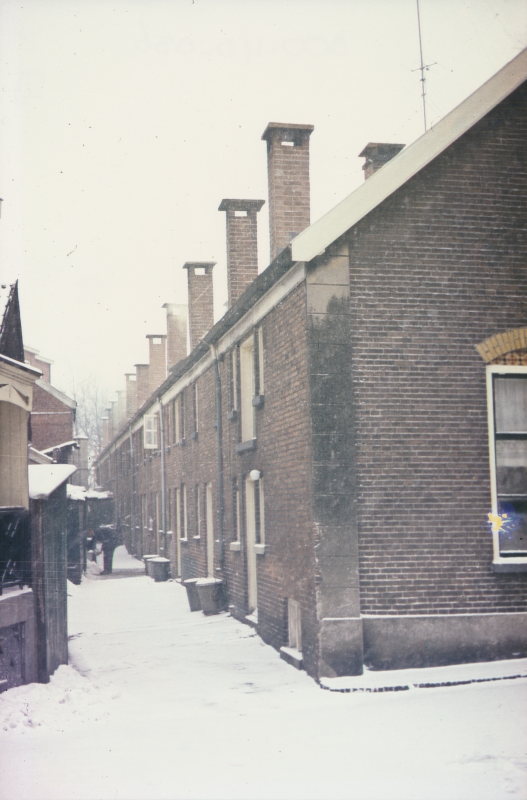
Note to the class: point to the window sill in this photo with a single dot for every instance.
(258, 401)
(184, 541)
(232, 416)
(246, 447)
(235, 547)
(259, 549)
(510, 565)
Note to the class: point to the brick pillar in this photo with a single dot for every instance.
(143, 393)
(200, 299)
(157, 348)
(288, 176)
(377, 154)
(131, 394)
(242, 244)
(177, 322)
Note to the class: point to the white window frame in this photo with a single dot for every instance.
(498, 369)
(247, 389)
(150, 432)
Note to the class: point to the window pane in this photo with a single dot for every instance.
(510, 397)
(511, 467)
(513, 536)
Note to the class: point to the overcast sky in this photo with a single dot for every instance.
(124, 124)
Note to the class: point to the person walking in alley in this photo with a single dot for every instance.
(108, 537)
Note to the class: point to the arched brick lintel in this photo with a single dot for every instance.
(502, 343)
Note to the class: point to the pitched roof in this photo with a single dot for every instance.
(11, 343)
(410, 161)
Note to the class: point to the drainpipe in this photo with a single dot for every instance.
(220, 451)
(133, 531)
(163, 477)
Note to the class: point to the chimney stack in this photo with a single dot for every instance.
(288, 176)
(131, 394)
(377, 154)
(143, 392)
(177, 321)
(200, 299)
(242, 244)
(157, 347)
(105, 430)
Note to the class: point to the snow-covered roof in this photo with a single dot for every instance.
(95, 494)
(71, 443)
(38, 456)
(56, 393)
(44, 479)
(74, 492)
(314, 240)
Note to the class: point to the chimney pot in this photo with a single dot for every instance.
(242, 244)
(177, 321)
(288, 177)
(200, 299)
(377, 154)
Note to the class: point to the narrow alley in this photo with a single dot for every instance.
(158, 702)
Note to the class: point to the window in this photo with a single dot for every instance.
(247, 389)
(181, 504)
(234, 379)
(258, 363)
(254, 501)
(197, 511)
(179, 418)
(507, 400)
(195, 408)
(235, 510)
(150, 432)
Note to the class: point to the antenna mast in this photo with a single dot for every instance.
(423, 66)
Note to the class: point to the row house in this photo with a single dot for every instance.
(346, 447)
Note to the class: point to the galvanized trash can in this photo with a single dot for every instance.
(146, 561)
(211, 595)
(160, 567)
(192, 594)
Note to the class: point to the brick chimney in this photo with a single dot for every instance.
(105, 430)
(113, 419)
(200, 299)
(143, 392)
(377, 154)
(288, 176)
(121, 408)
(242, 244)
(131, 394)
(157, 348)
(177, 322)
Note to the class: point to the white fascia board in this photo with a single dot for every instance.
(56, 393)
(409, 161)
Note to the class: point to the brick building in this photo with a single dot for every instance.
(332, 447)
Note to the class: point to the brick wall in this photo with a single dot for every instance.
(52, 422)
(435, 270)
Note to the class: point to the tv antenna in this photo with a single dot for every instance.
(424, 67)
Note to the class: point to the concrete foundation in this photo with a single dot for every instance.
(433, 641)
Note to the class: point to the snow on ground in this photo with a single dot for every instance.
(161, 703)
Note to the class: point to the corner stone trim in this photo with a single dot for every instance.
(502, 343)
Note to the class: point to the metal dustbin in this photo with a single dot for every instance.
(146, 561)
(211, 595)
(159, 567)
(192, 594)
